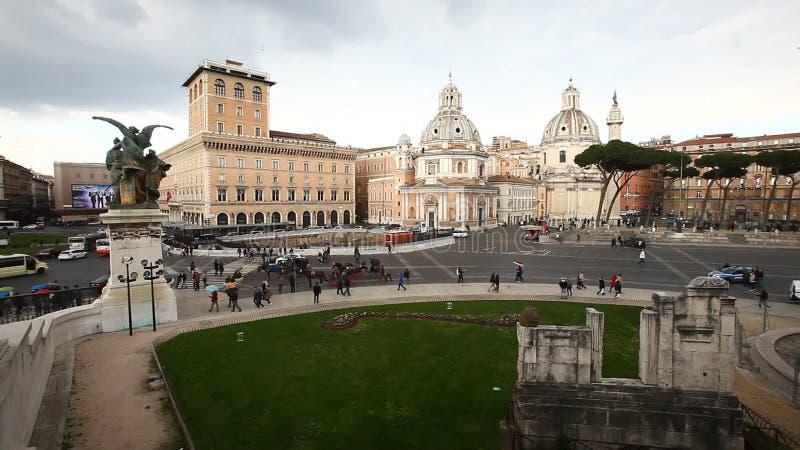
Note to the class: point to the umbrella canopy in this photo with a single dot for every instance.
(519, 263)
(212, 288)
(232, 285)
(36, 287)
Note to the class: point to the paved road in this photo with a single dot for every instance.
(668, 267)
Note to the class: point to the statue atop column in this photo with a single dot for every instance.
(135, 176)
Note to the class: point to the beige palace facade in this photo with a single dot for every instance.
(234, 170)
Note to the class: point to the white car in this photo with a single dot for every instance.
(30, 227)
(72, 254)
(95, 222)
(460, 234)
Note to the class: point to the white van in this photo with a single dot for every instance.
(19, 264)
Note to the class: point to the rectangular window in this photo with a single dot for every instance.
(333, 168)
(347, 168)
(320, 167)
(274, 180)
(258, 113)
(305, 167)
(347, 196)
(291, 179)
(221, 177)
(320, 196)
(220, 108)
(431, 169)
(291, 165)
(698, 194)
(334, 195)
(240, 178)
(222, 195)
(239, 129)
(259, 194)
(258, 163)
(240, 163)
(259, 179)
(257, 132)
(306, 195)
(276, 195)
(240, 195)
(275, 164)
(239, 111)
(220, 127)
(291, 195)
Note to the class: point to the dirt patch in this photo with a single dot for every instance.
(788, 347)
(110, 405)
(753, 392)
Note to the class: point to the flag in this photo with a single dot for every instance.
(169, 195)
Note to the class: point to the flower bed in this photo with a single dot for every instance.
(350, 319)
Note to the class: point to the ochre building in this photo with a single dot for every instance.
(233, 169)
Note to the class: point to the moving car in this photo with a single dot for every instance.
(460, 234)
(19, 264)
(72, 254)
(48, 253)
(29, 227)
(95, 222)
(99, 282)
(794, 291)
(733, 274)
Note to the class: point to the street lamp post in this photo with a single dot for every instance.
(129, 276)
(151, 274)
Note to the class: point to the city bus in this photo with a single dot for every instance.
(8, 224)
(19, 264)
(103, 247)
(86, 242)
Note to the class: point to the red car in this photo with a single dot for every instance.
(48, 253)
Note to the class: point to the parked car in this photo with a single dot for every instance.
(40, 225)
(733, 274)
(460, 234)
(99, 282)
(794, 291)
(29, 227)
(72, 254)
(6, 291)
(95, 222)
(48, 253)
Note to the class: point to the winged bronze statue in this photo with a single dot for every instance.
(135, 176)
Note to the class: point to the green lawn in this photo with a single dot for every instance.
(28, 243)
(386, 383)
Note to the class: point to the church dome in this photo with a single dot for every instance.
(570, 124)
(404, 140)
(450, 128)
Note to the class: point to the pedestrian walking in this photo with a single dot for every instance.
(389, 247)
(346, 286)
(618, 289)
(205, 279)
(192, 266)
(613, 242)
(257, 295)
(385, 274)
(601, 286)
(233, 297)
(221, 268)
(339, 286)
(214, 301)
(460, 275)
(317, 289)
(401, 280)
(281, 279)
(491, 283)
(497, 283)
(292, 282)
(266, 291)
(518, 277)
(196, 281)
(216, 267)
(407, 276)
(580, 284)
(563, 285)
(641, 257)
(569, 287)
(239, 252)
(356, 255)
(762, 298)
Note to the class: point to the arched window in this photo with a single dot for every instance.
(346, 217)
(241, 218)
(334, 218)
(460, 167)
(480, 171)
(306, 219)
(222, 219)
(258, 217)
(320, 219)
(276, 217)
(238, 91)
(292, 217)
(256, 94)
(219, 87)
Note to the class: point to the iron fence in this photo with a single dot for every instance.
(30, 306)
(771, 430)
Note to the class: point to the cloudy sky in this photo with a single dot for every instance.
(362, 71)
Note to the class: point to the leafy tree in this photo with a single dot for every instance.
(721, 165)
(671, 167)
(616, 161)
(781, 163)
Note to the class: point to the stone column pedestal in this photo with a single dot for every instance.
(135, 232)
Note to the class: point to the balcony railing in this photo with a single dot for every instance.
(30, 306)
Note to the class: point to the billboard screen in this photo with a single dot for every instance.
(91, 196)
